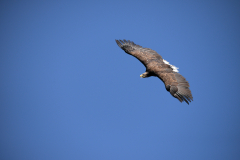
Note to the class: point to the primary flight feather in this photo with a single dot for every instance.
(155, 65)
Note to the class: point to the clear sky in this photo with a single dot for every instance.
(67, 91)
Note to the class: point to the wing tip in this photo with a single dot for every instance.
(126, 45)
(183, 97)
(119, 43)
(124, 41)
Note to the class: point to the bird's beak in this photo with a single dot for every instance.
(141, 75)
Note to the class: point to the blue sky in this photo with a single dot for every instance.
(69, 92)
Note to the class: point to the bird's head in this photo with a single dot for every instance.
(144, 75)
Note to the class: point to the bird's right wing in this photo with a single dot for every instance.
(176, 84)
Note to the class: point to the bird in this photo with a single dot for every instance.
(156, 66)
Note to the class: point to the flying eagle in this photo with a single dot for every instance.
(155, 65)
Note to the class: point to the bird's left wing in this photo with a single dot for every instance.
(144, 55)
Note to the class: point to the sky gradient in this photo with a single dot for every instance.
(67, 91)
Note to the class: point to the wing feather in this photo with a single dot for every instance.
(144, 55)
(183, 88)
(177, 85)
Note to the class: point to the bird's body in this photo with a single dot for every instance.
(155, 65)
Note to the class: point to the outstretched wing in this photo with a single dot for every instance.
(176, 84)
(144, 55)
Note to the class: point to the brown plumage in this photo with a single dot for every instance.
(155, 65)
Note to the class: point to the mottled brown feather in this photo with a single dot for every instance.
(174, 82)
(144, 55)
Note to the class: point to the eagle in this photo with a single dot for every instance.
(156, 66)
